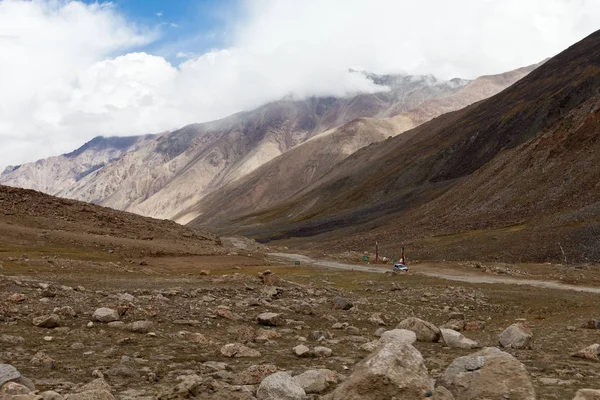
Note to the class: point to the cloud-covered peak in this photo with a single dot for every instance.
(71, 71)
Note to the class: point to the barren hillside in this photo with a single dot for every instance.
(171, 172)
(32, 220)
(295, 170)
(385, 184)
(54, 174)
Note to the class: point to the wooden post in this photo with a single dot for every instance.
(376, 252)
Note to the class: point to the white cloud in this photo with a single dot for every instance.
(159, 14)
(68, 77)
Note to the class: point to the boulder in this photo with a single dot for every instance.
(321, 351)
(304, 308)
(302, 351)
(489, 374)
(457, 340)
(269, 319)
(320, 335)
(264, 335)
(42, 359)
(117, 325)
(47, 321)
(587, 394)
(65, 311)
(352, 330)
(394, 370)
(271, 291)
(379, 331)
(223, 312)
(516, 336)
(8, 373)
(126, 297)
(280, 386)
(105, 315)
(141, 326)
(11, 390)
(425, 331)
(269, 278)
(589, 353)
(454, 324)
(377, 319)
(312, 381)
(370, 346)
(398, 335)
(238, 350)
(17, 297)
(341, 303)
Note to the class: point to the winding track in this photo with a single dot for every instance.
(423, 270)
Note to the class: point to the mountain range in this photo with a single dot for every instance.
(513, 177)
(166, 175)
(502, 167)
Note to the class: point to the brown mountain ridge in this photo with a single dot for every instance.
(440, 178)
(300, 167)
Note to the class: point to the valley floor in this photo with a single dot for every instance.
(198, 304)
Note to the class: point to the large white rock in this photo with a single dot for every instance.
(394, 370)
(312, 381)
(280, 386)
(398, 335)
(425, 331)
(105, 315)
(489, 374)
(457, 340)
(516, 336)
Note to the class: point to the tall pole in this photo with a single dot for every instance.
(376, 252)
(402, 261)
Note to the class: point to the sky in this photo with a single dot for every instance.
(73, 70)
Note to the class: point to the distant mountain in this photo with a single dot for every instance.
(164, 174)
(296, 170)
(32, 220)
(54, 174)
(514, 177)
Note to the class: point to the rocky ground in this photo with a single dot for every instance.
(220, 327)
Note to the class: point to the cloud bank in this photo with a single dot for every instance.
(72, 71)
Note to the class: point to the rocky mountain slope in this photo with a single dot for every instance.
(171, 172)
(532, 141)
(163, 174)
(53, 174)
(31, 219)
(295, 170)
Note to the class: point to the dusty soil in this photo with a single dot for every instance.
(185, 293)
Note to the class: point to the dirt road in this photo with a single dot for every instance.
(429, 270)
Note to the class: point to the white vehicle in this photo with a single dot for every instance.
(400, 267)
